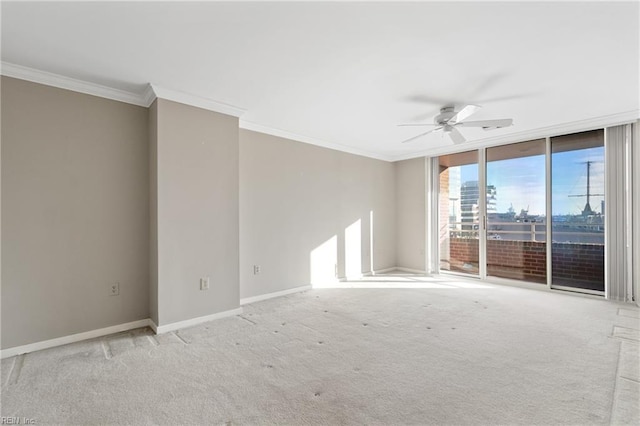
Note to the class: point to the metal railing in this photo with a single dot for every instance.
(576, 232)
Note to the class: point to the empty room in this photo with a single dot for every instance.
(320, 213)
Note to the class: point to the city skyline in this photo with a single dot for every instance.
(520, 183)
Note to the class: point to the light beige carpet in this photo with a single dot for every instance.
(451, 353)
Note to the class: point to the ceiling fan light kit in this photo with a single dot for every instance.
(449, 119)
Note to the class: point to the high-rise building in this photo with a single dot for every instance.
(492, 206)
(470, 203)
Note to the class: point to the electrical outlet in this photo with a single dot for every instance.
(114, 289)
(204, 283)
(256, 269)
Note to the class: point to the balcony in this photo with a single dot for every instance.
(518, 251)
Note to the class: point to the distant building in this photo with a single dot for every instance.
(470, 203)
(492, 193)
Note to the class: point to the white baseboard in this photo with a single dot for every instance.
(73, 338)
(248, 300)
(411, 271)
(384, 271)
(160, 329)
(153, 326)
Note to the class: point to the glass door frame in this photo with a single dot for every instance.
(549, 224)
(547, 236)
(548, 210)
(482, 206)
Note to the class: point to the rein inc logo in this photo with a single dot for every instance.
(17, 421)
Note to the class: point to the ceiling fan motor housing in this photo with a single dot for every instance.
(445, 115)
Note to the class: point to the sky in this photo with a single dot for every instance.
(520, 181)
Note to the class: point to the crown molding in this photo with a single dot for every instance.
(62, 82)
(148, 96)
(154, 91)
(527, 135)
(247, 125)
(194, 100)
(144, 99)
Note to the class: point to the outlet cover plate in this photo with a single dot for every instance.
(114, 289)
(204, 283)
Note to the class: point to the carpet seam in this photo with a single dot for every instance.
(248, 320)
(630, 379)
(16, 370)
(13, 364)
(106, 349)
(181, 339)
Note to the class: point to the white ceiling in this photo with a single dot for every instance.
(347, 73)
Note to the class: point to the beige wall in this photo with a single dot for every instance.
(153, 212)
(410, 213)
(295, 197)
(96, 191)
(635, 208)
(75, 212)
(197, 211)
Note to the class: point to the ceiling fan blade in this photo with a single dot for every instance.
(417, 124)
(488, 124)
(434, 100)
(465, 112)
(456, 136)
(421, 135)
(508, 97)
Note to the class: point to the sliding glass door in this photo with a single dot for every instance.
(533, 211)
(577, 188)
(459, 215)
(516, 209)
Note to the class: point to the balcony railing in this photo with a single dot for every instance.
(575, 232)
(573, 263)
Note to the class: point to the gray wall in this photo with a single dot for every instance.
(295, 197)
(197, 211)
(75, 212)
(410, 215)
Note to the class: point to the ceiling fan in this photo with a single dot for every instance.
(449, 119)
